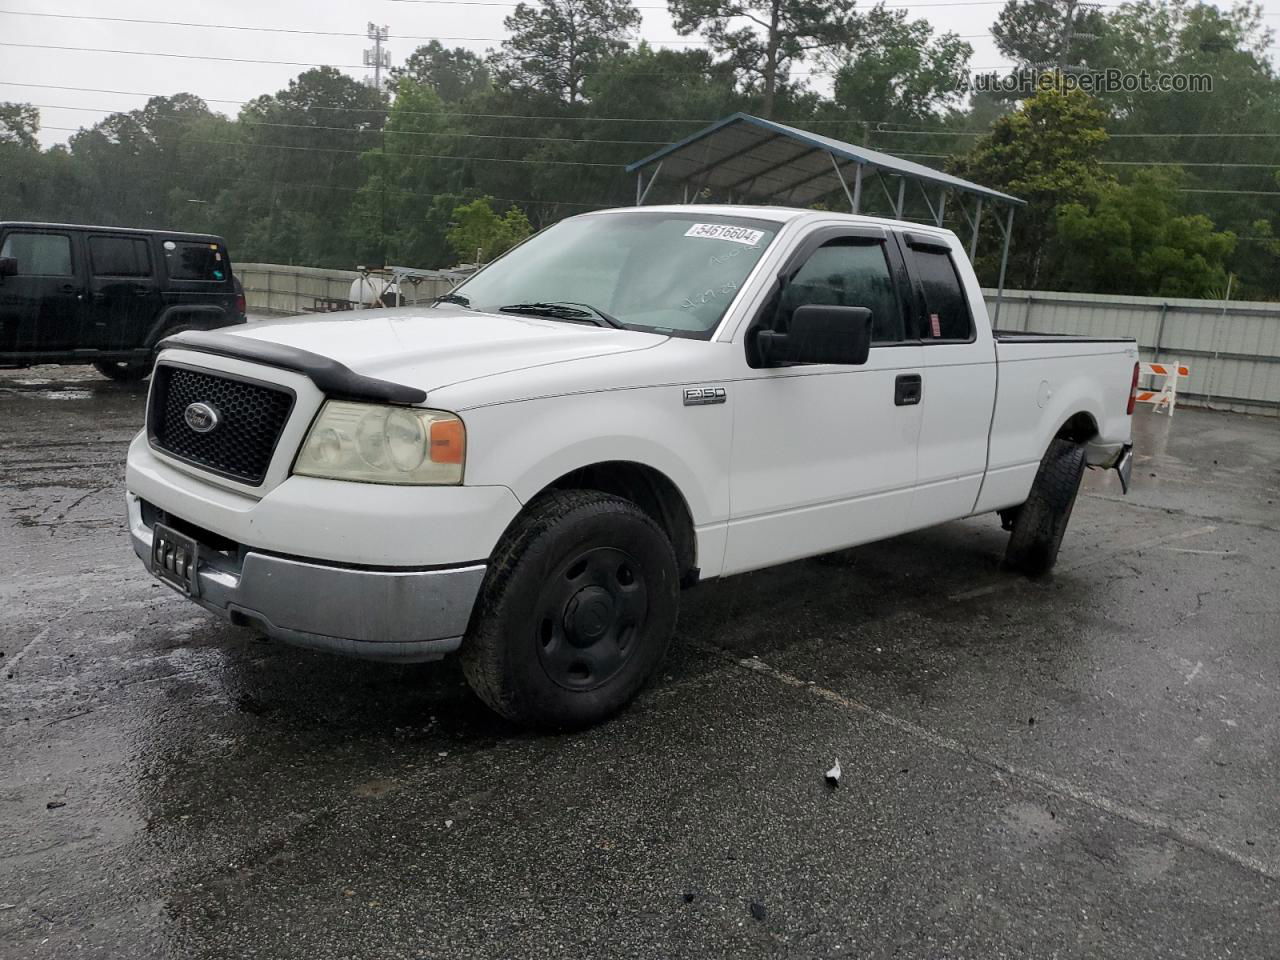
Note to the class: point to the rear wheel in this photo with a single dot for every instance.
(131, 371)
(124, 371)
(1039, 524)
(576, 612)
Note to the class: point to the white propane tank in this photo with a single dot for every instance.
(365, 292)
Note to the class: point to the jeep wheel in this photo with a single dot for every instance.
(576, 611)
(1039, 524)
(125, 371)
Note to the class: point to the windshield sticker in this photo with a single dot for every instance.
(725, 231)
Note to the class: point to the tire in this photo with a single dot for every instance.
(576, 611)
(131, 371)
(125, 371)
(1040, 523)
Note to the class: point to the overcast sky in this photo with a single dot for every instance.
(410, 23)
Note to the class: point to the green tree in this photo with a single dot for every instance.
(452, 74)
(895, 70)
(19, 124)
(478, 232)
(555, 46)
(299, 156)
(402, 209)
(1135, 239)
(763, 39)
(1048, 153)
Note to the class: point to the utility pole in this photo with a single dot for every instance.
(1068, 35)
(377, 57)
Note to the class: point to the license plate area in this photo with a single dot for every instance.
(175, 558)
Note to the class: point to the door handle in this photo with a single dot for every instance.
(68, 288)
(907, 389)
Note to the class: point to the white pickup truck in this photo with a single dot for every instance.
(528, 470)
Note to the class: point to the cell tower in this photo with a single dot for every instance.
(377, 56)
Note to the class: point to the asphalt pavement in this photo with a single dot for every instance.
(1081, 767)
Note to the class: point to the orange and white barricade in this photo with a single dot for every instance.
(1167, 395)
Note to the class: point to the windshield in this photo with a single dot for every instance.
(669, 273)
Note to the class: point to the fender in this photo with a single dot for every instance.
(198, 316)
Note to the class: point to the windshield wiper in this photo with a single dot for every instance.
(457, 298)
(565, 310)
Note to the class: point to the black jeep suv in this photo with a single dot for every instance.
(106, 295)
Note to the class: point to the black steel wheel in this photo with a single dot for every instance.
(590, 610)
(576, 612)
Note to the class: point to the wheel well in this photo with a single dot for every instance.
(651, 491)
(1080, 428)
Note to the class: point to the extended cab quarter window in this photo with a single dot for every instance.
(39, 254)
(846, 273)
(945, 309)
(188, 260)
(119, 257)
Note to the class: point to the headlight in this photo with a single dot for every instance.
(376, 444)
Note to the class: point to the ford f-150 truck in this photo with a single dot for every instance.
(529, 469)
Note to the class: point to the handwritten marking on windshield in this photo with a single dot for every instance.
(711, 293)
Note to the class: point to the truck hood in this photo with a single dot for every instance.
(434, 347)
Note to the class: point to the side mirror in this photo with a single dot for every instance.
(8, 266)
(819, 334)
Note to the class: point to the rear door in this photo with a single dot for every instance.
(958, 392)
(40, 308)
(824, 456)
(124, 296)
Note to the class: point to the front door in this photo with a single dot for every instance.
(124, 297)
(40, 308)
(824, 456)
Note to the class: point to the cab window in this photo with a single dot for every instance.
(848, 272)
(39, 254)
(944, 308)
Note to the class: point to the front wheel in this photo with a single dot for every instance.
(1039, 524)
(576, 612)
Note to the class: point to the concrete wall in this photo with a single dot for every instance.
(278, 289)
(1233, 352)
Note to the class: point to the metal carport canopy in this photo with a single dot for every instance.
(746, 156)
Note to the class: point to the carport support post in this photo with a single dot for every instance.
(902, 196)
(641, 194)
(1007, 229)
(853, 204)
(942, 205)
(857, 188)
(977, 222)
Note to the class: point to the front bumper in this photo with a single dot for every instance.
(379, 614)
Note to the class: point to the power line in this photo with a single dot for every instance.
(888, 6)
(412, 155)
(336, 33)
(373, 131)
(404, 154)
(880, 128)
(360, 66)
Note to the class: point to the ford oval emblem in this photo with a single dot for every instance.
(201, 417)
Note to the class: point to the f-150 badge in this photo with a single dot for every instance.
(699, 396)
